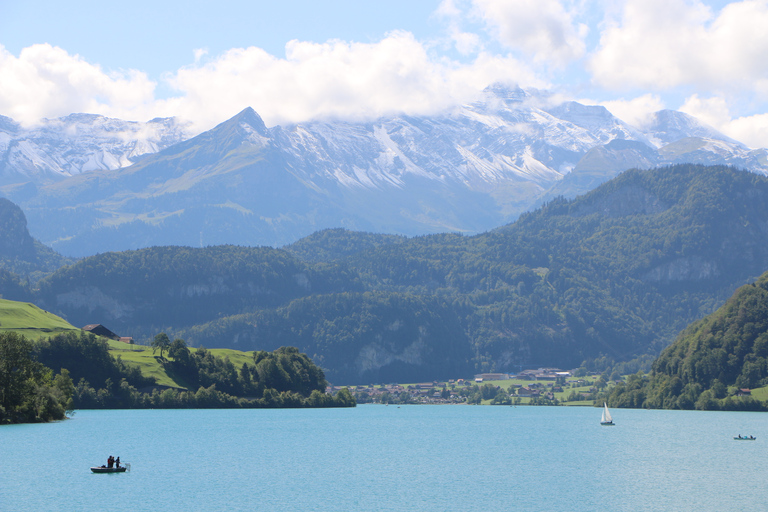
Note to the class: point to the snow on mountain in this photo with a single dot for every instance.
(503, 137)
(667, 126)
(98, 184)
(598, 121)
(77, 143)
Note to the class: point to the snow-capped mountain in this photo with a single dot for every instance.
(469, 169)
(63, 147)
(667, 126)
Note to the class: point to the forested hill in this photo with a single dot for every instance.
(19, 252)
(711, 361)
(139, 293)
(617, 272)
(337, 244)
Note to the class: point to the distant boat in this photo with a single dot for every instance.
(750, 438)
(607, 420)
(104, 469)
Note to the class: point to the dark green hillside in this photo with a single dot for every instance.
(356, 338)
(12, 288)
(617, 271)
(337, 244)
(28, 391)
(19, 252)
(139, 293)
(710, 360)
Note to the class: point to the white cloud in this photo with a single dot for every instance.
(45, 81)
(333, 79)
(713, 111)
(200, 53)
(661, 44)
(543, 29)
(338, 79)
(751, 130)
(636, 112)
(466, 43)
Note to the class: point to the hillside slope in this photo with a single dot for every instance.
(711, 361)
(19, 252)
(617, 272)
(140, 293)
(31, 321)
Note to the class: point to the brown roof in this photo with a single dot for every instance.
(100, 330)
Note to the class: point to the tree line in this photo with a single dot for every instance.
(713, 363)
(88, 377)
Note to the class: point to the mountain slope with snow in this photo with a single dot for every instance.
(63, 147)
(469, 169)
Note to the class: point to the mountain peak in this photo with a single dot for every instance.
(506, 92)
(249, 117)
(671, 125)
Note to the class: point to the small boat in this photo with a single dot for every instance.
(105, 469)
(607, 420)
(740, 438)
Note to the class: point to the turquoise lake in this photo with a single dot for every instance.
(388, 458)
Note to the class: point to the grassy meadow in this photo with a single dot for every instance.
(149, 362)
(31, 321)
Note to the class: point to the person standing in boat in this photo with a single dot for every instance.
(110, 461)
(117, 462)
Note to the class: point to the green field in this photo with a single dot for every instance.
(31, 321)
(149, 363)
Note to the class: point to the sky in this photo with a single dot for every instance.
(297, 60)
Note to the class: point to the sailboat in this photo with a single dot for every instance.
(607, 420)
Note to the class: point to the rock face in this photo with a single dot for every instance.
(90, 184)
(19, 252)
(15, 240)
(692, 268)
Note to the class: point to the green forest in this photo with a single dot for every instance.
(613, 275)
(86, 376)
(616, 273)
(713, 364)
(28, 390)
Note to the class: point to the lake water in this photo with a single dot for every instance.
(388, 458)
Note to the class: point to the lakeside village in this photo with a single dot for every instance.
(543, 386)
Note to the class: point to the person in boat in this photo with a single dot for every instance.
(117, 462)
(739, 436)
(111, 460)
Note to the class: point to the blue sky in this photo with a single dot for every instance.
(298, 60)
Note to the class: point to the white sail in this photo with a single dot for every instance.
(606, 414)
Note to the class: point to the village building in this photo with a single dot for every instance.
(543, 374)
(100, 330)
(527, 392)
(491, 376)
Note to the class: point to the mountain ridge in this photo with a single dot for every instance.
(468, 169)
